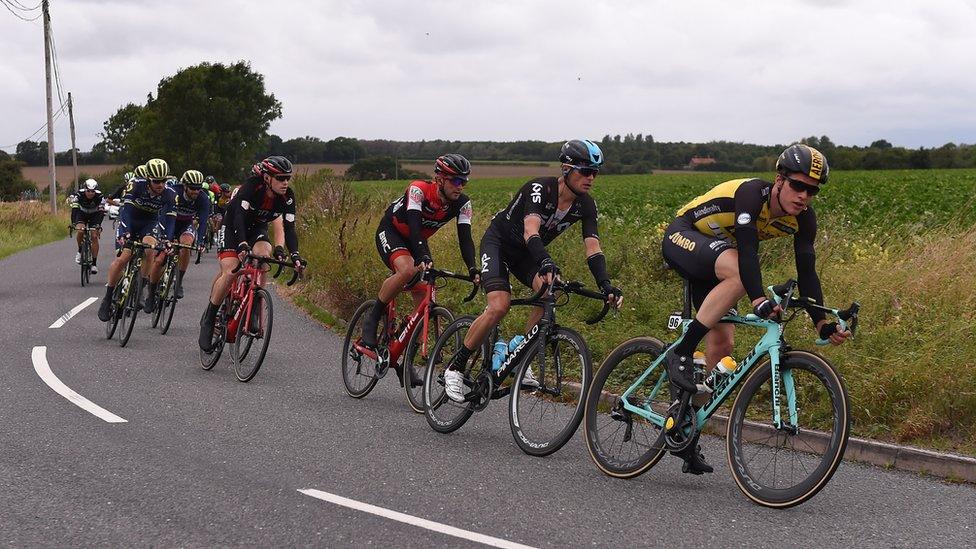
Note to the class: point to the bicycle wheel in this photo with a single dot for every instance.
(357, 368)
(130, 308)
(219, 336)
(783, 468)
(114, 310)
(247, 364)
(623, 444)
(543, 419)
(158, 310)
(168, 304)
(85, 262)
(443, 414)
(415, 361)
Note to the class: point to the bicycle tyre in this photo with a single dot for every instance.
(603, 432)
(244, 372)
(413, 365)
(525, 404)
(85, 264)
(130, 309)
(168, 304)
(113, 320)
(357, 369)
(820, 392)
(436, 402)
(209, 360)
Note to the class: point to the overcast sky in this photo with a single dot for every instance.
(752, 71)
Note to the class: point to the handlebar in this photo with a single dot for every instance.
(846, 318)
(272, 261)
(571, 287)
(432, 274)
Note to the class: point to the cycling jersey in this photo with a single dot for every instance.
(256, 205)
(435, 212)
(736, 214)
(187, 211)
(540, 197)
(80, 201)
(140, 206)
(220, 205)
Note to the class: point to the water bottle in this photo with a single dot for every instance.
(723, 369)
(498, 354)
(515, 342)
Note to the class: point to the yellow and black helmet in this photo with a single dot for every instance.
(800, 158)
(192, 179)
(157, 168)
(141, 171)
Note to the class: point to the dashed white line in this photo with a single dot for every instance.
(39, 357)
(414, 521)
(67, 316)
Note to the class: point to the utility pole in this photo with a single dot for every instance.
(74, 150)
(50, 109)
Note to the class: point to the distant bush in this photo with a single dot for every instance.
(12, 183)
(376, 168)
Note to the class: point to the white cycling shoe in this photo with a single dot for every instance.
(529, 379)
(454, 385)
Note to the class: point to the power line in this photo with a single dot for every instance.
(56, 116)
(20, 6)
(54, 61)
(10, 8)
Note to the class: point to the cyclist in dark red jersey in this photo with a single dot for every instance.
(263, 199)
(410, 220)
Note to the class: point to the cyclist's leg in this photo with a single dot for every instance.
(498, 290)
(187, 238)
(395, 255)
(96, 222)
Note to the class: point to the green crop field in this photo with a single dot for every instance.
(902, 243)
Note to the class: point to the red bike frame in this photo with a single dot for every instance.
(399, 343)
(242, 290)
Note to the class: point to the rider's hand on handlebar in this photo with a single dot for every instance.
(123, 239)
(299, 261)
(614, 295)
(831, 331)
(475, 275)
(765, 308)
(425, 262)
(279, 253)
(548, 270)
(242, 250)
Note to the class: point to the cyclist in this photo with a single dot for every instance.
(219, 207)
(87, 211)
(264, 198)
(212, 186)
(147, 214)
(192, 210)
(401, 238)
(515, 243)
(714, 244)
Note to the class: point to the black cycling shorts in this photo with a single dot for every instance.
(693, 255)
(499, 258)
(93, 219)
(228, 239)
(390, 243)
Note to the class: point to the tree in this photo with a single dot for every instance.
(380, 167)
(32, 153)
(12, 183)
(210, 117)
(117, 129)
(881, 144)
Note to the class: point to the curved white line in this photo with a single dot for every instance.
(414, 521)
(67, 316)
(39, 357)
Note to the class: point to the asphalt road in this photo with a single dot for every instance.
(204, 460)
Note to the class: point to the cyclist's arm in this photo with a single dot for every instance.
(415, 201)
(595, 259)
(288, 223)
(243, 205)
(125, 210)
(748, 205)
(203, 215)
(278, 232)
(531, 224)
(464, 235)
(806, 263)
(167, 214)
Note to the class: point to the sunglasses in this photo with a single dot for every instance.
(800, 186)
(588, 172)
(458, 181)
(153, 180)
(282, 177)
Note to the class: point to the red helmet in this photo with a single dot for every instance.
(453, 165)
(273, 165)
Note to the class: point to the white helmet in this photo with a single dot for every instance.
(90, 185)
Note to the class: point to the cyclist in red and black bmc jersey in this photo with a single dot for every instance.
(516, 243)
(410, 220)
(263, 199)
(714, 244)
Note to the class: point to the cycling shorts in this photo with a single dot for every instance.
(499, 258)
(141, 227)
(185, 227)
(693, 255)
(92, 219)
(228, 239)
(390, 243)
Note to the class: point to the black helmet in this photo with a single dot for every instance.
(800, 158)
(275, 165)
(581, 153)
(453, 165)
(225, 187)
(209, 179)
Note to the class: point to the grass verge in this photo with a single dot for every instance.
(29, 224)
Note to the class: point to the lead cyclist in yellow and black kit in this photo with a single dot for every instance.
(714, 244)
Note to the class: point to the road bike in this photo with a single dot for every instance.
(245, 317)
(166, 291)
(362, 367)
(542, 418)
(86, 250)
(126, 296)
(787, 428)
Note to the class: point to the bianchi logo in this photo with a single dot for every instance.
(743, 219)
(707, 210)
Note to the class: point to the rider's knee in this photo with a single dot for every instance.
(497, 309)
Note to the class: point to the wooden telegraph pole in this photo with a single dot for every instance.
(50, 109)
(74, 150)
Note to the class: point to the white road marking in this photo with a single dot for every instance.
(414, 521)
(67, 316)
(39, 357)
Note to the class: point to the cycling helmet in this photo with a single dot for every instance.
(127, 176)
(453, 165)
(157, 168)
(90, 185)
(225, 187)
(274, 165)
(209, 179)
(800, 158)
(581, 153)
(192, 179)
(141, 171)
